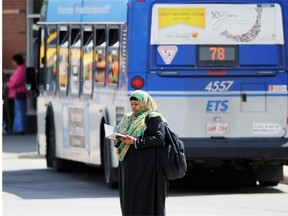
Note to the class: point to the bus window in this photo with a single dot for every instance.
(113, 56)
(41, 61)
(87, 65)
(51, 58)
(63, 58)
(75, 55)
(100, 55)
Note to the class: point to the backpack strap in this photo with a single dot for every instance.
(147, 118)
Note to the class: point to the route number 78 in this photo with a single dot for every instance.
(220, 86)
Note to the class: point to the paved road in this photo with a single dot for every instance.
(29, 188)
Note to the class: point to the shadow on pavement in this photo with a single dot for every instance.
(222, 184)
(48, 184)
(220, 190)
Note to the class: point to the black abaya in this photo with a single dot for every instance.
(142, 184)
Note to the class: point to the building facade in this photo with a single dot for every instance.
(14, 31)
(20, 34)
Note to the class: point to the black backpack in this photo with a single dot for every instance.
(172, 157)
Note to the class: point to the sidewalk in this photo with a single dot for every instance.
(285, 170)
(25, 146)
(19, 146)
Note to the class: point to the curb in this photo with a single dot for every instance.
(285, 173)
(24, 155)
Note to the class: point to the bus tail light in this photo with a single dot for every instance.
(137, 82)
(217, 73)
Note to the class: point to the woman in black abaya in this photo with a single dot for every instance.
(142, 183)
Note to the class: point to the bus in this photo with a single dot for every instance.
(218, 71)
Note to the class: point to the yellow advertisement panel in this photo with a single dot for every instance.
(216, 24)
(189, 16)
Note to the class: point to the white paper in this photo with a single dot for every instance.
(111, 132)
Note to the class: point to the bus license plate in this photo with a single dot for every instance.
(217, 128)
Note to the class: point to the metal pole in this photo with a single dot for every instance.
(29, 33)
(29, 55)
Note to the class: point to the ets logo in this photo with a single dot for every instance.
(217, 106)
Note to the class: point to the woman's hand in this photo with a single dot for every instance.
(127, 140)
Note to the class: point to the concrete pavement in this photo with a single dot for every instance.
(285, 169)
(25, 146)
(19, 146)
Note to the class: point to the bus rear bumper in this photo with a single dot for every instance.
(264, 148)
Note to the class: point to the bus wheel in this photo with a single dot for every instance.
(270, 175)
(268, 183)
(50, 140)
(111, 175)
(52, 161)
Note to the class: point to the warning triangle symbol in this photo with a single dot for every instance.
(167, 53)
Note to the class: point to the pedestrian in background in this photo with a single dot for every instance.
(142, 183)
(17, 91)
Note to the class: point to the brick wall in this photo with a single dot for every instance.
(14, 30)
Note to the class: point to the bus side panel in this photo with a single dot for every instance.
(138, 39)
(72, 140)
(96, 113)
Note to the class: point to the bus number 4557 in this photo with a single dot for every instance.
(220, 86)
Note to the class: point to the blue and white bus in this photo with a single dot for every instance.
(218, 71)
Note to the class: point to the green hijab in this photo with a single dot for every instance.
(135, 125)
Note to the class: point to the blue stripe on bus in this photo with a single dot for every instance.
(216, 95)
(171, 84)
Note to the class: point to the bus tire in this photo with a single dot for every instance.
(268, 183)
(270, 175)
(51, 160)
(110, 173)
(50, 139)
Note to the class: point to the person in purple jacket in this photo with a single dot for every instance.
(17, 91)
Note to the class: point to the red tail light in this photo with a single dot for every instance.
(217, 73)
(137, 82)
